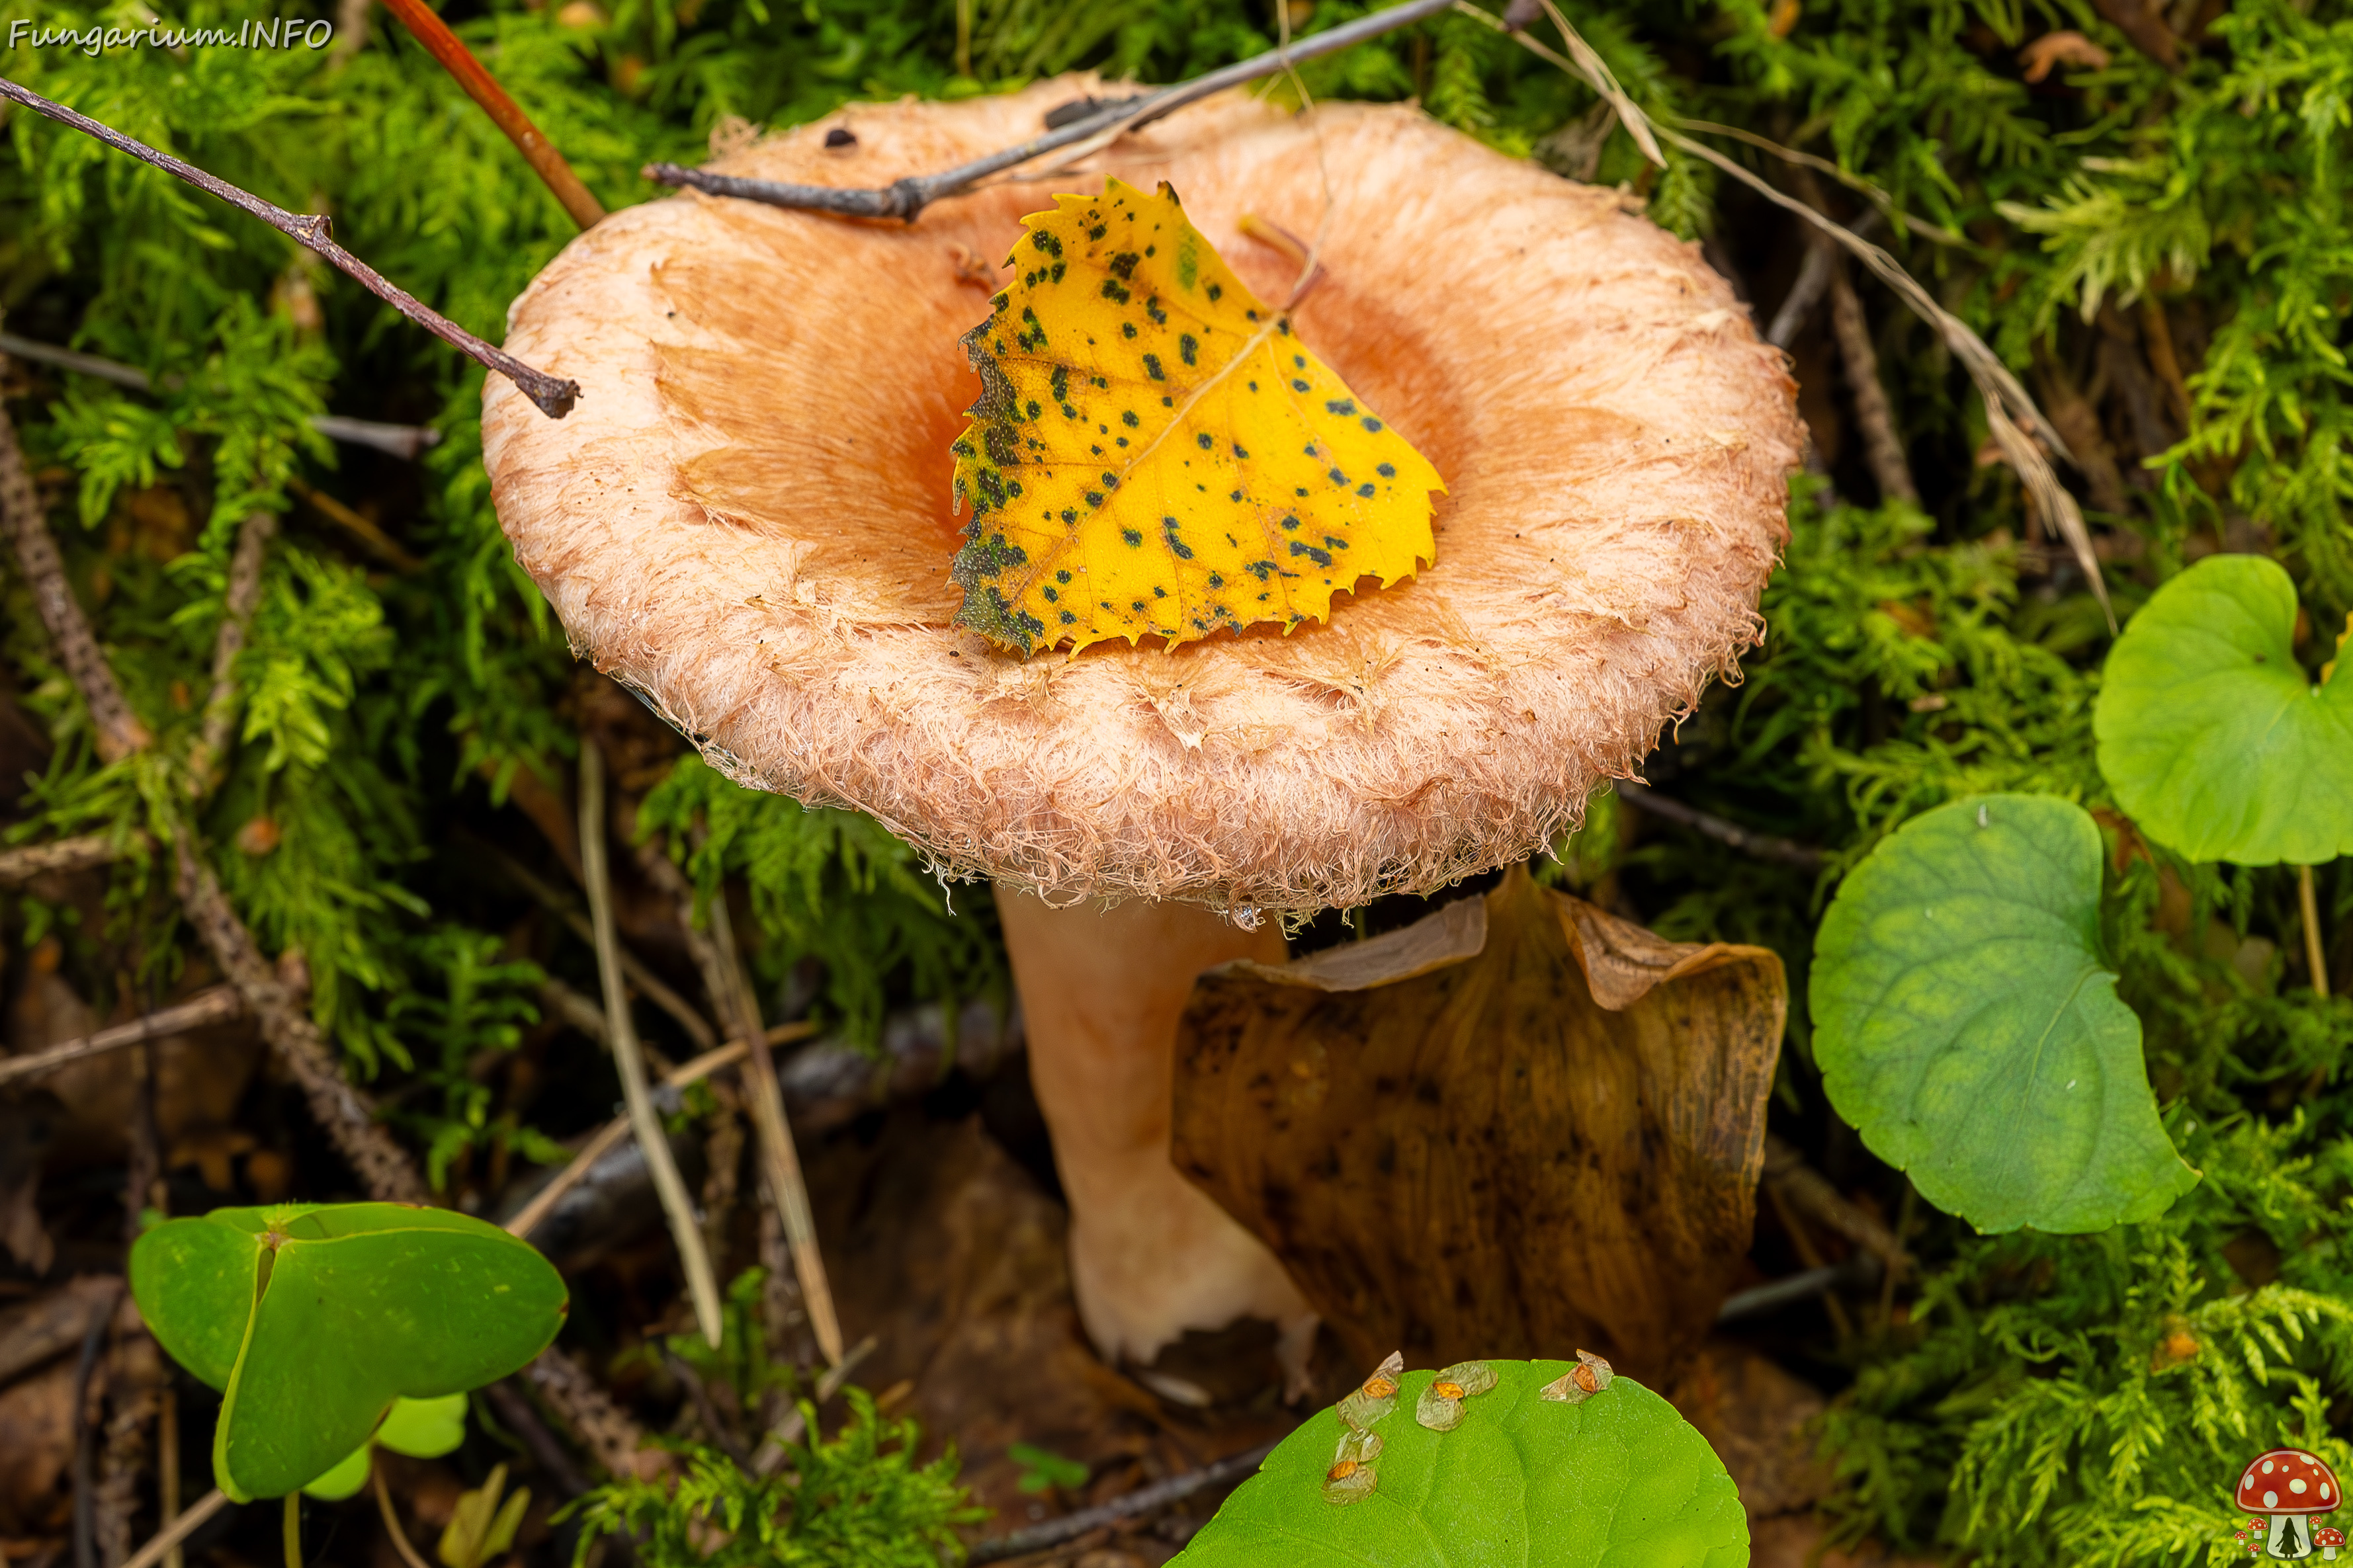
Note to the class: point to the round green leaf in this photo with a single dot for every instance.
(1965, 1025)
(345, 1309)
(2212, 736)
(1618, 1480)
(349, 1475)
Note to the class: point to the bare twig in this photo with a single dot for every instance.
(608, 1434)
(118, 730)
(85, 1491)
(612, 1135)
(621, 1033)
(191, 1518)
(399, 440)
(2316, 953)
(554, 397)
(341, 1111)
(237, 606)
(378, 543)
(1881, 446)
(1142, 1500)
(739, 1013)
(2010, 413)
(1809, 1190)
(458, 60)
(1763, 846)
(77, 853)
(216, 1004)
(906, 198)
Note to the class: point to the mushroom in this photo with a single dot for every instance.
(2328, 1538)
(2288, 1486)
(748, 521)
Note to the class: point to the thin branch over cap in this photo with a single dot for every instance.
(906, 198)
(554, 397)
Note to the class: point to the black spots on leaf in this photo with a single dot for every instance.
(1099, 383)
(1386, 471)
(1152, 249)
(1119, 440)
(1051, 244)
(1094, 498)
(1062, 577)
(1321, 557)
(1134, 538)
(1366, 488)
(999, 304)
(962, 447)
(1300, 361)
(1283, 326)
(1182, 551)
(1098, 231)
(1031, 408)
(1103, 429)
(1013, 488)
(1070, 412)
(1127, 417)
(999, 439)
(1335, 542)
(1239, 453)
(1152, 309)
(1123, 266)
(1138, 604)
(1001, 348)
(1152, 368)
(1309, 448)
(1167, 402)
(1069, 619)
(990, 555)
(1115, 292)
(1297, 385)
(1253, 386)
(1070, 518)
(1301, 491)
(1204, 440)
(1372, 423)
(1216, 581)
(1337, 477)
(1188, 348)
(1252, 315)
(1261, 569)
(1049, 595)
(1340, 406)
(1034, 338)
(1061, 383)
(1096, 450)
(1160, 592)
(1054, 273)
(1215, 293)
(1127, 330)
(1290, 522)
(1110, 481)
(1234, 495)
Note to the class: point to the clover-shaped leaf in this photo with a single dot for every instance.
(1966, 1026)
(1617, 1481)
(420, 1428)
(2213, 738)
(313, 1320)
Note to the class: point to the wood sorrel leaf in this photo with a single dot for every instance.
(1964, 1023)
(420, 1428)
(1155, 451)
(335, 1312)
(1618, 1480)
(2213, 738)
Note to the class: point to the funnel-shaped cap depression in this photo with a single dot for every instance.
(747, 517)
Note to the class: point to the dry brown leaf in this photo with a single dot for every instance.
(2064, 48)
(1516, 1128)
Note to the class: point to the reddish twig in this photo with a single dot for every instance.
(905, 198)
(554, 397)
(483, 87)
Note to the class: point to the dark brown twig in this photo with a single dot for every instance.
(1882, 449)
(609, 1436)
(481, 87)
(236, 615)
(375, 540)
(554, 397)
(1763, 846)
(119, 731)
(1142, 1500)
(906, 198)
(85, 1514)
(216, 1004)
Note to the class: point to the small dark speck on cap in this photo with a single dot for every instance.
(840, 136)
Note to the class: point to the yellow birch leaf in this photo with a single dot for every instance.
(1154, 452)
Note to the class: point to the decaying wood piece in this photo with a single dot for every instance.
(1518, 1128)
(610, 1436)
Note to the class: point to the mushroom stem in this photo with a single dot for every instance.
(1102, 992)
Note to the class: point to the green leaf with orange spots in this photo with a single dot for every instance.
(1156, 453)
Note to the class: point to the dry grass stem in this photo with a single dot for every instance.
(2316, 953)
(168, 1539)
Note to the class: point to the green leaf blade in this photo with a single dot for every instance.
(194, 1281)
(1617, 1482)
(2209, 733)
(1968, 1028)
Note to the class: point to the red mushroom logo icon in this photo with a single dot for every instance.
(2288, 1486)
(2328, 1539)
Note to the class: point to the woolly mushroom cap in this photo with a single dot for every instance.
(2289, 1480)
(747, 519)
